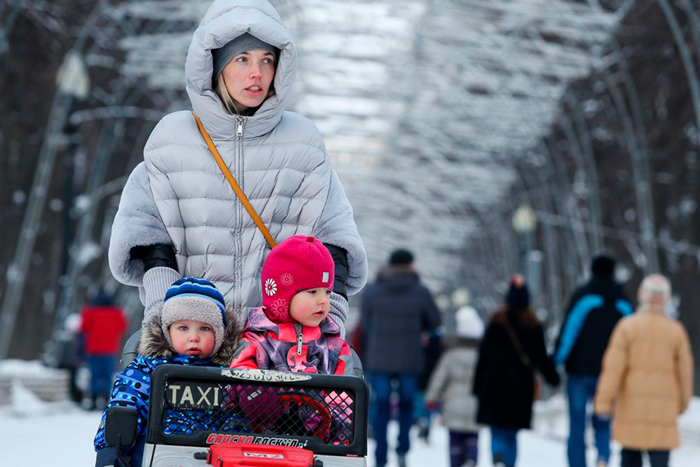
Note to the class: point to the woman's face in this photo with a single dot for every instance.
(248, 78)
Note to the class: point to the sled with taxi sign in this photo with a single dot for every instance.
(226, 417)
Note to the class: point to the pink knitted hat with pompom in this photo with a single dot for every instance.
(298, 263)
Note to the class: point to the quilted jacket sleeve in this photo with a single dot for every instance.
(685, 369)
(137, 223)
(337, 227)
(615, 362)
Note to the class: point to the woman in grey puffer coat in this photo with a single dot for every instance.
(178, 216)
(451, 384)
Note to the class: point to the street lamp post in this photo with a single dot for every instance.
(529, 260)
(524, 222)
(72, 82)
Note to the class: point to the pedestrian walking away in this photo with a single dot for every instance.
(647, 377)
(511, 352)
(102, 325)
(179, 216)
(593, 312)
(398, 311)
(451, 387)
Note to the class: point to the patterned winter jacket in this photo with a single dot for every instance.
(291, 347)
(132, 387)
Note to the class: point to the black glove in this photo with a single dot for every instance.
(153, 256)
(340, 259)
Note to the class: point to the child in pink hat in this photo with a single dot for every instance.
(291, 332)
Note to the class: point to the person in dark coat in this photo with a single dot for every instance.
(593, 312)
(397, 311)
(511, 351)
(103, 325)
(70, 353)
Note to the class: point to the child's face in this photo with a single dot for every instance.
(310, 307)
(192, 338)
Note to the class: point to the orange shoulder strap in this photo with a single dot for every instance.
(232, 181)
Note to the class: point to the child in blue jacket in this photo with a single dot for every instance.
(194, 329)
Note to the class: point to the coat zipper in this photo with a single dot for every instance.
(300, 338)
(239, 131)
(238, 157)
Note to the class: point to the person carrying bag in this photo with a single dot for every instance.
(511, 351)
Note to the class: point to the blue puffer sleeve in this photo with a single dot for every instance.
(131, 389)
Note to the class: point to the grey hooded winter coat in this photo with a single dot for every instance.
(178, 195)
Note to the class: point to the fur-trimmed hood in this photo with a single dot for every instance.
(154, 344)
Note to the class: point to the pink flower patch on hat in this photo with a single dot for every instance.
(278, 310)
(286, 279)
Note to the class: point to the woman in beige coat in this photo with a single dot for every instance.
(648, 374)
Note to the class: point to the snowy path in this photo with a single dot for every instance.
(546, 445)
(534, 450)
(61, 434)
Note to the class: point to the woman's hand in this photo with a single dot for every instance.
(156, 282)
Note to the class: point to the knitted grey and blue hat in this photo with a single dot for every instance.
(195, 299)
(239, 45)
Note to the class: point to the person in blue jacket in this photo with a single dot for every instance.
(195, 329)
(591, 316)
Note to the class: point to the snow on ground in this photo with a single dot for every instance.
(60, 434)
(545, 446)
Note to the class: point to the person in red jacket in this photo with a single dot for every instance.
(103, 325)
